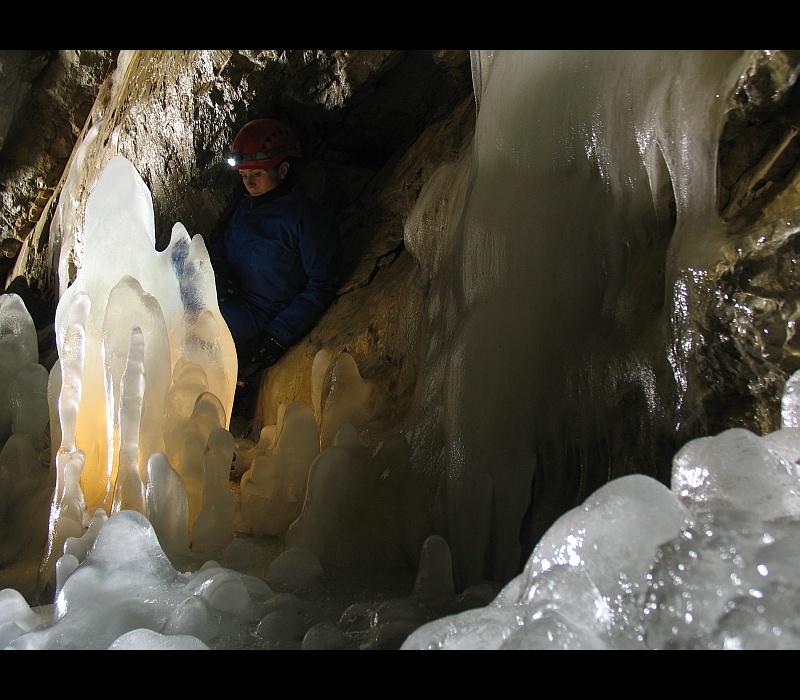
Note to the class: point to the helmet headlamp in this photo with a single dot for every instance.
(236, 159)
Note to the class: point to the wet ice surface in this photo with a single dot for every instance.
(116, 589)
(711, 563)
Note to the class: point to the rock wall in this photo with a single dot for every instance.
(173, 114)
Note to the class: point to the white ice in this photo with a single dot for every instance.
(709, 564)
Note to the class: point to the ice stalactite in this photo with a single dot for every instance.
(531, 303)
(589, 196)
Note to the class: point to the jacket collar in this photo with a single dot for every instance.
(263, 200)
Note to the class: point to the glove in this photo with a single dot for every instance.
(263, 354)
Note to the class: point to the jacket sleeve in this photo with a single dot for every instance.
(321, 252)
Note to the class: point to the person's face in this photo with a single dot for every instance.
(261, 181)
(258, 181)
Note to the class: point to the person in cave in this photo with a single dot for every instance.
(278, 265)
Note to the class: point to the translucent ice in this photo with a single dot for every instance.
(148, 640)
(737, 468)
(790, 402)
(18, 349)
(170, 298)
(711, 564)
(636, 566)
(207, 417)
(25, 486)
(16, 616)
(30, 410)
(134, 319)
(345, 398)
(68, 514)
(213, 526)
(274, 488)
(127, 584)
(360, 509)
(717, 584)
(128, 484)
(168, 507)
(582, 580)
(293, 568)
(189, 381)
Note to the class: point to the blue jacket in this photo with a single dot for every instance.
(284, 253)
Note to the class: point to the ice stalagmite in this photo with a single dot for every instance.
(359, 509)
(68, 513)
(127, 330)
(168, 507)
(274, 488)
(30, 411)
(170, 295)
(189, 381)
(213, 526)
(129, 307)
(128, 485)
(207, 417)
(24, 414)
(126, 585)
(18, 348)
(346, 398)
(24, 501)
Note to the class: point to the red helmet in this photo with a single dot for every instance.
(262, 144)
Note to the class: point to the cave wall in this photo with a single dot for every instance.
(174, 114)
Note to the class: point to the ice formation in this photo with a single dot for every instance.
(711, 563)
(707, 563)
(274, 487)
(124, 283)
(144, 502)
(142, 350)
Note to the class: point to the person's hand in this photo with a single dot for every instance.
(265, 354)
